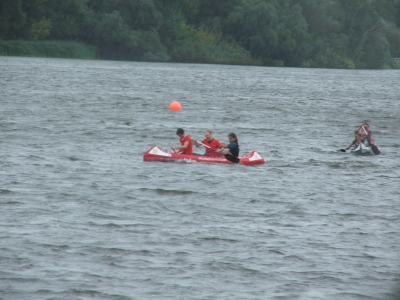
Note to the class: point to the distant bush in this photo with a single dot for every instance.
(202, 45)
(395, 64)
(56, 49)
(40, 30)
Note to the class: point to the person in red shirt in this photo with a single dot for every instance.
(210, 144)
(186, 143)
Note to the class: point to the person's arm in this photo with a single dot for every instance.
(370, 139)
(220, 150)
(359, 131)
(358, 128)
(196, 143)
(180, 148)
(185, 145)
(218, 147)
(351, 144)
(223, 151)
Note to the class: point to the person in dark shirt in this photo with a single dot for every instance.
(231, 150)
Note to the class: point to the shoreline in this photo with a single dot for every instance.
(49, 49)
(79, 50)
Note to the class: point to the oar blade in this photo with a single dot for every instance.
(375, 149)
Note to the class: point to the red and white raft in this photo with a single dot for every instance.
(155, 153)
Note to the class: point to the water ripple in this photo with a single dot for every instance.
(84, 217)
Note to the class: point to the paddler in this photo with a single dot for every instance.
(231, 150)
(186, 143)
(210, 144)
(359, 135)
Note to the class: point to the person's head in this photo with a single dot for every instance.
(208, 135)
(180, 132)
(232, 137)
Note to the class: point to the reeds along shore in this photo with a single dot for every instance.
(56, 49)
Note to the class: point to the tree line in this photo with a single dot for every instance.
(296, 33)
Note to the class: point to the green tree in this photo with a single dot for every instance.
(367, 29)
(376, 50)
(12, 19)
(323, 33)
(253, 24)
(273, 31)
(329, 45)
(116, 40)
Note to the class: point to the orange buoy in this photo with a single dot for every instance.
(175, 106)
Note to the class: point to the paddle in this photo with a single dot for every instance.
(348, 147)
(345, 150)
(373, 147)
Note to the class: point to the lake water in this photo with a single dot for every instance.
(84, 217)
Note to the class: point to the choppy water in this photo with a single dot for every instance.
(83, 217)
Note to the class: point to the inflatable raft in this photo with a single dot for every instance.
(155, 153)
